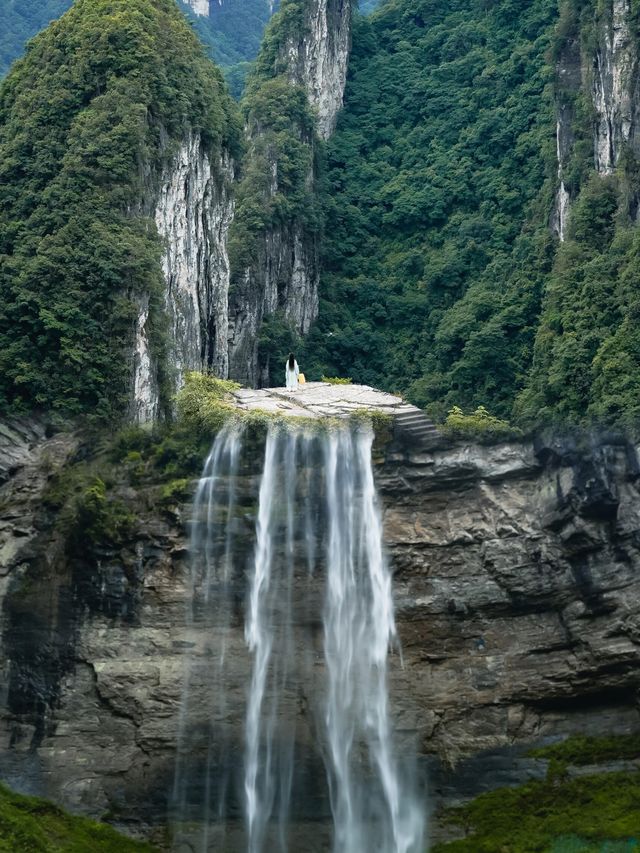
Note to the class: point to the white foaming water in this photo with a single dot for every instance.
(359, 628)
(318, 626)
(200, 790)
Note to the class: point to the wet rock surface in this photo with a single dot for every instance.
(516, 573)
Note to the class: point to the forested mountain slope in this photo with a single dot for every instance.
(231, 29)
(443, 273)
(114, 118)
(20, 20)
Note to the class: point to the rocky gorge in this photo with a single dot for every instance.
(515, 572)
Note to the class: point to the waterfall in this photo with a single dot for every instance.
(286, 740)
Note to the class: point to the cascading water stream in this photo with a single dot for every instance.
(296, 722)
(209, 619)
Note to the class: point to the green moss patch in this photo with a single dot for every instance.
(33, 825)
(552, 816)
(582, 750)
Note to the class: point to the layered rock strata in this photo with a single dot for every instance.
(517, 572)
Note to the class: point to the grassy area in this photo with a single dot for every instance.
(31, 825)
(591, 814)
(573, 844)
(582, 750)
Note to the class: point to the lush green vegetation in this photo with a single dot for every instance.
(441, 276)
(86, 513)
(283, 125)
(96, 94)
(581, 750)
(336, 380)
(589, 814)
(587, 349)
(205, 403)
(278, 190)
(478, 426)
(439, 188)
(21, 20)
(36, 826)
(231, 33)
(233, 30)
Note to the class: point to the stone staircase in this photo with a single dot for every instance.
(412, 426)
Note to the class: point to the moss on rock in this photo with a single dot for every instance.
(38, 826)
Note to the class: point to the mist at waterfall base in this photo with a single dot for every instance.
(285, 737)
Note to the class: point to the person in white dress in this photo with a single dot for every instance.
(292, 371)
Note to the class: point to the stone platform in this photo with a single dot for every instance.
(323, 400)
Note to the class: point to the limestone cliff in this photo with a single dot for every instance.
(199, 7)
(615, 86)
(516, 577)
(597, 94)
(316, 58)
(192, 205)
(203, 7)
(275, 266)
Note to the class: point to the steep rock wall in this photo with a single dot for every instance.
(317, 59)
(193, 208)
(199, 7)
(615, 86)
(568, 86)
(283, 272)
(285, 277)
(598, 63)
(516, 572)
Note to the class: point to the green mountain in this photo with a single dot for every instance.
(442, 278)
(476, 209)
(88, 120)
(231, 32)
(233, 29)
(21, 20)
(432, 282)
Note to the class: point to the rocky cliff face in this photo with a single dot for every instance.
(615, 86)
(317, 59)
(517, 569)
(284, 271)
(285, 276)
(568, 87)
(193, 211)
(604, 71)
(199, 7)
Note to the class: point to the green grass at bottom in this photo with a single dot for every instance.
(32, 825)
(573, 844)
(554, 816)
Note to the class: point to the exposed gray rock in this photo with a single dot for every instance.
(28, 460)
(608, 75)
(516, 572)
(200, 7)
(284, 274)
(615, 86)
(317, 58)
(193, 211)
(286, 277)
